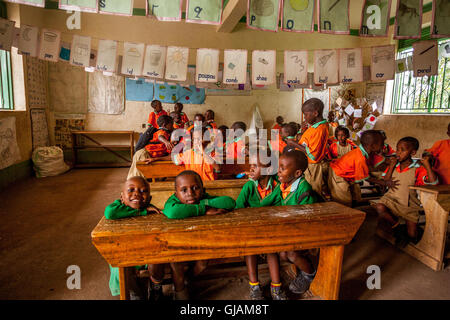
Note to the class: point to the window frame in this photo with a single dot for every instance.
(6, 89)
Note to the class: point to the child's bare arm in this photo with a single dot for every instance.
(294, 144)
(391, 166)
(150, 160)
(392, 184)
(169, 145)
(432, 177)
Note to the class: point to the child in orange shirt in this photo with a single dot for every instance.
(177, 122)
(340, 144)
(352, 168)
(209, 118)
(287, 132)
(179, 108)
(441, 154)
(235, 145)
(314, 143)
(158, 112)
(279, 121)
(160, 145)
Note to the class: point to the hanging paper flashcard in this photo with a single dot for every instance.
(35, 3)
(235, 66)
(49, 45)
(375, 18)
(176, 63)
(326, 64)
(28, 40)
(401, 65)
(79, 5)
(6, 34)
(425, 58)
(350, 65)
(382, 65)
(64, 52)
(298, 15)
(133, 58)
(207, 65)
(263, 14)
(334, 16)
(408, 19)
(119, 7)
(440, 19)
(295, 67)
(80, 51)
(263, 67)
(154, 61)
(204, 11)
(107, 56)
(164, 10)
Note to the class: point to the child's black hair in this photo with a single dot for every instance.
(199, 115)
(164, 120)
(210, 111)
(239, 125)
(370, 136)
(154, 102)
(143, 180)
(299, 157)
(343, 129)
(314, 104)
(291, 128)
(411, 141)
(189, 173)
(223, 127)
(179, 104)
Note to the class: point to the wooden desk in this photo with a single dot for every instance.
(161, 191)
(167, 169)
(110, 148)
(156, 239)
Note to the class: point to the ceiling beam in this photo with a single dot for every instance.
(232, 13)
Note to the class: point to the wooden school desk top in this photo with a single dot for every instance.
(157, 239)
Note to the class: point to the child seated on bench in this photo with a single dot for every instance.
(340, 144)
(191, 200)
(135, 201)
(441, 158)
(177, 122)
(154, 115)
(402, 203)
(178, 107)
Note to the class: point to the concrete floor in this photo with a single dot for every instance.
(46, 224)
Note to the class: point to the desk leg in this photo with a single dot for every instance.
(74, 149)
(328, 277)
(123, 280)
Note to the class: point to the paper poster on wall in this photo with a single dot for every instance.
(375, 18)
(139, 90)
(190, 95)
(263, 67)
(295, 67)
(297, 15)
(382, 65)
(235, 66)
(350, 65)
(326, 64)
(6, 34)
(9, 150)
(49, 45)
(107, 56)
(207, 65)
(440, 19)
(204, 11)
(63, 126)
(425, 58)
(154, 61)
(164, 10)
(133, 58)
(401, 65)
(334, 16)
(39, 128)
(408, 19)
(28, 40)
(106, 94)
(119, 7)
(375, 93)
(176, 63)
(80, 51)
(35, 3)
(79, 5)
(263, 14)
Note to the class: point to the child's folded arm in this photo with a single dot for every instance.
(174, 209)
(118, 210)
(223, 202)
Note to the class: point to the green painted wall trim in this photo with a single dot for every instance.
(15, 173)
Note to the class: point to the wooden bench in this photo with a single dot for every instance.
(430, 250)
(156, 239)
(110, 148)
(167, 169)
(161, 191)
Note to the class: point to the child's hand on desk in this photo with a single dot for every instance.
(213, 211)
(150, 160)
(152, 209)
(169, 145)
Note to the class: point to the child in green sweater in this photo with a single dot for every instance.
(135, 201)
(295, 190)
(191, 200)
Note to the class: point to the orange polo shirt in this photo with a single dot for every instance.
(277, 145)
(314, 139)
(441, 152)
(276, 127)
(195, 161)
(376, 159)
(333, 147)
(352, 166)
(153, 117)
(184, 117)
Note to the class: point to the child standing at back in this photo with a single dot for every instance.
(441, 154)
(314, 143)
(156, 113)
(135, 201)
(402, 202)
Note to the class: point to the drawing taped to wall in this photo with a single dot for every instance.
(207, 66)
(235, 67)
(334, 16)
(382, 65)
(28, 40)
(176, 63)
(107, 56)
(133, 58)
(295, 67)
(350, 65)
(263, 67)
(154, 61)
(9, 150)
(49, 45)
(6, 34)
(408, 19)
(263, 14)
(326, 67)
(298, 15)
(80, 51)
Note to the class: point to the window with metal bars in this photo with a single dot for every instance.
(429, 95)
